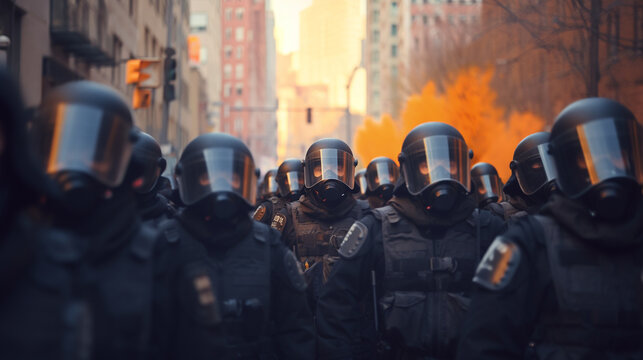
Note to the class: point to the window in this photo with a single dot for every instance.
(239, 13)
(117, 49)
(394, 72)
(228, 33)
(376, 36)
(227, 51)
(147, 42)
(375, 77)
(227, 71)
(425, 20)
(228, 14)
(437, 20)
(376, 15)
(203, 55)
(238, 123)
(239, 51)
(394, 30)
(132, 6)
(239, 89)
(375, 56)
(227, 89)
(198, 22)
(638, 29)
(393, 50)
(394, 5)
(416, 42)
(238, 35)
(238, 71)
(450, 19)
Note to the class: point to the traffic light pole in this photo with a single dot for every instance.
(166, 103)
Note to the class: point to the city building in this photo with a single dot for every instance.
(205, 25)
(248, 107)
(57, 41)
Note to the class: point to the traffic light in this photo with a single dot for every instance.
(142, 98)
(169, 67)
(145, 73)
(309, 115)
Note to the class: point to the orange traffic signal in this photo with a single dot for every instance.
(144, 73)
(142, 98)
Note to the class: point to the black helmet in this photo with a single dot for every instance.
(329, 159)
(434, 152)
(381, 175)
(216, 163)
(361, 186)
(269, 186)
(147, 163)
(597, 145)
(532, 164)
(290, 178)
(85, 127)
(485, 183)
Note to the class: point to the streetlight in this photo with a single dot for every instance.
(348, 103)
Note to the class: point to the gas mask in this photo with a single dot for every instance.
(384, 192)
(440, 198)
(612, 199)
(80, 192)
(330, 193)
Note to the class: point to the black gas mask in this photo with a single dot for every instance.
(612, 199)
(330, 193)
(221, 209)
(440, 198)
(384, 192)
(80, 192)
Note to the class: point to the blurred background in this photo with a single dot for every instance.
(280, 74)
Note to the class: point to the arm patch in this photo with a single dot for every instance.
(354, 240)
(499, 264)
(278, 222)
(259, 213)
(294, 272)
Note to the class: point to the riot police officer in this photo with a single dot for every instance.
(269, 196)
(290, 180)
(360, 185)
(90, 289)
(486, 187)
(415, 257)
(260, 288)
(568, 280)
(381, 176)
(144, 174)
(533, 177)
(316, 224)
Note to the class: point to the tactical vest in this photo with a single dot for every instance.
(316, 237)
(426, 282)
(597, 295)
(242, 280)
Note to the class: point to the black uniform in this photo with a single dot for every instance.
(568, 280)
(423, 267)
(268, 208)
(258, 285)
(415, 256)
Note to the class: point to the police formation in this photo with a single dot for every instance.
(102, 257)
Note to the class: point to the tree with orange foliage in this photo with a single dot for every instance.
(468, 104)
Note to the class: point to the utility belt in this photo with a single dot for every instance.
(244, 318)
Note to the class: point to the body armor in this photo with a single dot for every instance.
(242, 278)
(427, 280)
(597, 296)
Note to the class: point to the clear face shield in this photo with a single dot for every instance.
(597, 151)
(487, 186)
(85, 139)
(270, 186)
(290, 182)
(382, 174)
(360, 179)
(535, 169)
(216, 170)
(329, 164)
(435, 159)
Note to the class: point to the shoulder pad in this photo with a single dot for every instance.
(260, 212)
(387, 212)
(143, 244)
(484, 216)
(294, 271)
(499, 264)
(170, 230)
(278, 222)
(354, 240)
(261, 231)
(363, 205)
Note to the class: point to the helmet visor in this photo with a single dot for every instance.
(270, 186)
(382, 174)
(290, 182)
(486, 187)
(597, 151)
(217, 170)
(361, 181)
(435, 159)
(86, 139)
(535, 169)
(329, 164)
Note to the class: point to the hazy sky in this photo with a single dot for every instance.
(287, 23)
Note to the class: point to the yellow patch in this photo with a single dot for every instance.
(259, 213)
(278, 222)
